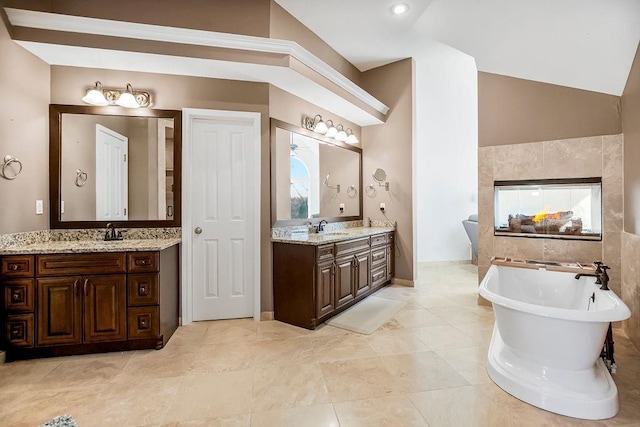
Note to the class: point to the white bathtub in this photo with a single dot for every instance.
(547, 339)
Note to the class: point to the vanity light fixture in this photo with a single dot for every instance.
(351, 138)
(128, 97)
(332, 131)
(95, 96)
(400, 9)
(316, 126)
(341, 135)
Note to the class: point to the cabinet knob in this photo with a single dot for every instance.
(15, 296)
(15, 332)
(14, 267)
(143, 290)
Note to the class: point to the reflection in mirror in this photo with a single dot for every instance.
(307, 177)
(126, 158)
(114, 166)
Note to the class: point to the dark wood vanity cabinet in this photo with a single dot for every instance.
(89, 302)
(313, 283)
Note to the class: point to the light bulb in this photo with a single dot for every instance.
(400, 8)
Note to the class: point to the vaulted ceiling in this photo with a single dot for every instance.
(585, 44)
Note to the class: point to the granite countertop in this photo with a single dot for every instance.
(76, 246)
(332, 236)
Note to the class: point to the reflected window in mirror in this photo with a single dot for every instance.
(130, 165)
(313, 178)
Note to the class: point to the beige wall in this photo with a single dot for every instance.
(631, 129)
(390, 146)
(569, 158)
(24, 125)
(512, 111)
(631, 238)
(249, 17)
(286, 27)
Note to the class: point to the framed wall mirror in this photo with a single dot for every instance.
(114, 165)
(313, 177)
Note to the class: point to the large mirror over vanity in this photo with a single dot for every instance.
(313, 177)
(114, 165)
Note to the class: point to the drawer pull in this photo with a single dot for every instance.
(142, 262)
(142, 290)
(15, 332)
(15, 296)
(14, 267)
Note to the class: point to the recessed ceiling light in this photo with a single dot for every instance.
(400, 8)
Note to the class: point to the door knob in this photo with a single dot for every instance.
(198, 230)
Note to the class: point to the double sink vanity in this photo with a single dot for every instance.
(316, 276)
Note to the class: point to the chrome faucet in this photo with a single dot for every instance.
(602, 278)
(112, 234)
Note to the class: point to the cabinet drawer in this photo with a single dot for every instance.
(142, 262)
(352, 246)
(143, 322)
(142, 289)
(378, 239)
(378, 276)
(20, 330)
(18, 295)
(325, 252)
(85, 263)
(18, 266)
(378, 256)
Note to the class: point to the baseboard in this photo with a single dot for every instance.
(437, 263)
(402, 282)
(266, 315)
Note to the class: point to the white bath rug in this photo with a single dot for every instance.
(367, 315)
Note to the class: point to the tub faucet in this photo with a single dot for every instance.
(602, 278)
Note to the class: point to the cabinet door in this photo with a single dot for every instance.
(105, 308)
(325, 282)
(59, 311)
(361, 264)
(344, 280)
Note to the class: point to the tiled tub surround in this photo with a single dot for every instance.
(569, 158)
(88, 240)
(631, 285)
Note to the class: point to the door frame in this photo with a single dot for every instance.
(188, 116)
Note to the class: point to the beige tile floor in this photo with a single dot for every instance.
(425, 367)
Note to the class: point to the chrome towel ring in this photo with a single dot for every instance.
(352, 191)
(8, 161)
(81, 178)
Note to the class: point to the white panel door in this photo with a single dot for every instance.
(112, 175)
(223, 217)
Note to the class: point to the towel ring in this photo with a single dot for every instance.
(8, 160)
(370, 190)
(352, 191)
(81, 178)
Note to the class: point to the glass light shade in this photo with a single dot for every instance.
(351, 138)
(95, 97)
(320, 127)
(341, 136)
(127, 99)
(331, 131)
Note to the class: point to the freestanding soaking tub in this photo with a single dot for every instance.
(549, 332)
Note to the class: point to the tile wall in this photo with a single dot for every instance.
(631, 285)
(569, 158)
